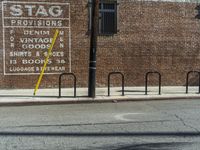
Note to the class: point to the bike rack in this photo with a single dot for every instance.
(146, 80)
(67, 74)
(112, 73)
(187, 79)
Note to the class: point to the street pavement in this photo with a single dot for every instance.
(50, 96)
(139, 125)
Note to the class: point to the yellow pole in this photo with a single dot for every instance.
(46, 61)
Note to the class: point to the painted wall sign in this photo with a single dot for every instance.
(28, 29)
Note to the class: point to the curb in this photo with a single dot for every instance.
(10, 101)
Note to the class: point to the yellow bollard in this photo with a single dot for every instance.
(46, 61)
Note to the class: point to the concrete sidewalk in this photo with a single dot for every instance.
(50, 96)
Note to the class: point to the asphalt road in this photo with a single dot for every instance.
(152, 125)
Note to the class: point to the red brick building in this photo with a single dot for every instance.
(134, 37)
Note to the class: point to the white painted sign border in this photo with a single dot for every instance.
(4, 62)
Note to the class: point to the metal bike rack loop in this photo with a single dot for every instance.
(112, 73)
(146, 80)
(67, 74)
(187, 79)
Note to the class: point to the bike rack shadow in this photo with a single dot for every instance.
(146, 80)
(60, 79)
(114, 73)
(187, 79)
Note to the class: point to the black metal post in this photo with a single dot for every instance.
(159, 83)
(112, 73)
(109, 84)
(122, 84)
(187, 79)
(146, 81)
(93, 47)
(60, 78)
(199, 82)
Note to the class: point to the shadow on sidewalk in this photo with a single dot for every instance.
(149, 146)
(103, 134)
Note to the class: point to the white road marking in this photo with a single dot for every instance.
(122, 116)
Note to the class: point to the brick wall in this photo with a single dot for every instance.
(161, 36)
